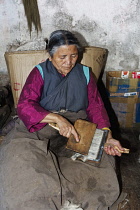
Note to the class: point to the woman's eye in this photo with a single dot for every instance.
(62, 57)
(74, 55)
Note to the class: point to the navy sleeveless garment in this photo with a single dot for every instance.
(67, 93)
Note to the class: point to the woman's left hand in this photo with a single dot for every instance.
(110, 148)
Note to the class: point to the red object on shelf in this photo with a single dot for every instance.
(136, 75)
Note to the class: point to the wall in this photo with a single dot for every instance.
(110, 24)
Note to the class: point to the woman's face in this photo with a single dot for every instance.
(64, 58)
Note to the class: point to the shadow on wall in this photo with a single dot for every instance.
(110, 111)
(83, 43)
(81, 38)
(115, 127)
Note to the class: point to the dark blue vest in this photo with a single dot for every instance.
(68, 93)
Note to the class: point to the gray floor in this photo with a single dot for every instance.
(129, 165)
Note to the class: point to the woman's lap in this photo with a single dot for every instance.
(31, 176)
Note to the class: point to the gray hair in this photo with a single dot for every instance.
(59, 38)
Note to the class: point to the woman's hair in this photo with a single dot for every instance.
(59, 38)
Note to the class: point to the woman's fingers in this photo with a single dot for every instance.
(113, 147)
(76, 136)
(111, 151)
(68, 130)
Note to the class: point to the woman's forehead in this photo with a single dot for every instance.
(67, 49)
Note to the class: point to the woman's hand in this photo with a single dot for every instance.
(110, 145)
(65, 127)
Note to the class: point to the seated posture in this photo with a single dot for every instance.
(37, 171)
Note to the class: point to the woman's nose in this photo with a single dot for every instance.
(68, 61)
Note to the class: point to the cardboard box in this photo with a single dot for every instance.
(20, 63)
(124, 95)
(115, 84)
(127, 110)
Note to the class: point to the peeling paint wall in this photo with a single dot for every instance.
(110, 24)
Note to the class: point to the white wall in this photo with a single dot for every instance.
(110, 24)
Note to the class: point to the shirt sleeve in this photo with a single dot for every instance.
(28, 108)
(96, 110)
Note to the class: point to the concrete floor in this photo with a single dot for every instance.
(129, 165)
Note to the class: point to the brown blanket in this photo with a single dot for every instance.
(36, 172)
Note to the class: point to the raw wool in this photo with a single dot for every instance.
(70, 206)
(32, 14)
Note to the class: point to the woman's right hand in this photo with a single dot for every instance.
(65, 127)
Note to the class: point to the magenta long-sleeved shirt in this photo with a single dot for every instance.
(31, 113)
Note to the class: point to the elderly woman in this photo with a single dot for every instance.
(37, 171)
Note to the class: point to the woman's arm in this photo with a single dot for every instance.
(65, 127)
(28, 108)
